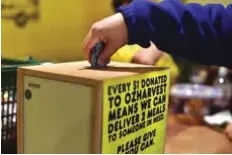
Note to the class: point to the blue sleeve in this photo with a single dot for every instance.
(196, 32)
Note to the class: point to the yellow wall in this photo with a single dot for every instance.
(59, 33)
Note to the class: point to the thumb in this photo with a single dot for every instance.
(106, 54)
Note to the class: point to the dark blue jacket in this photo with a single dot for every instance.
(199, 33)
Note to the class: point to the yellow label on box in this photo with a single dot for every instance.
(134, 113)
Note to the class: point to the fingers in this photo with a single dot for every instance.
(89, 43)
(104, 57)
(112, 31)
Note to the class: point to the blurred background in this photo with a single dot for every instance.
(54, 30)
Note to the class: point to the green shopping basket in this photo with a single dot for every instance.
(9, 103)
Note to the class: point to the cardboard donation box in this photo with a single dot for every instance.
(72, 108)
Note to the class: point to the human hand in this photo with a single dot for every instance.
(112, 31)
(147, 56)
